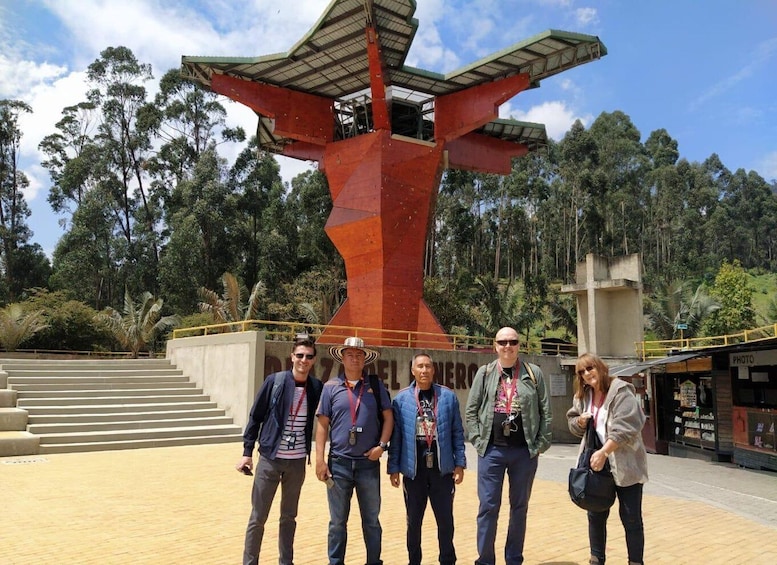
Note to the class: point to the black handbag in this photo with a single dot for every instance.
(591, 490)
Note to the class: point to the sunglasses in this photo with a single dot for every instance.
(504, 342)
(588, 369)
(307, 356)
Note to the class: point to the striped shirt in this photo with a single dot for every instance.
(293, 438)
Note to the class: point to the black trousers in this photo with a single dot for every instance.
(429, 485)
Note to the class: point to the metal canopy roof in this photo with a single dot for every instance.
(634, 368)
(331, 61)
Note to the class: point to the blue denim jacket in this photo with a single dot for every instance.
(450, 432)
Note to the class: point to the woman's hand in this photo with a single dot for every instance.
(598, 459)
(582, 419)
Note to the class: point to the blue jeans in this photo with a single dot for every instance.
(290, 474)
(630, 510)
(364, 476)
(520, 468)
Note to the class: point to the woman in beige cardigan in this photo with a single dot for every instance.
(618, 419)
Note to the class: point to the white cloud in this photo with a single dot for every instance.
(586, 16)
(557, 116)
(768, 166)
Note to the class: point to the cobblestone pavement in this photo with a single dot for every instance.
(180, 505)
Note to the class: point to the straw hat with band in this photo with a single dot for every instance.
(336, 351)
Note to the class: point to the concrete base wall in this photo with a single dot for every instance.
(230, 368)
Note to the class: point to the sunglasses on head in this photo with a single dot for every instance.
(307, 356)
(504, 342)
(585, 370)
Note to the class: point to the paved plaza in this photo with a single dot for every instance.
(179, 505)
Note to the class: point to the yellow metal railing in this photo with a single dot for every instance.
(286, 331)
(663, 348)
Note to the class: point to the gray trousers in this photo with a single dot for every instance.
(269, 473)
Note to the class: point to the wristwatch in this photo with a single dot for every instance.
(383, 445)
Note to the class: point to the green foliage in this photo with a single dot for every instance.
(231, 305)
(735, 295)
(18, 325)
(138, 325)
(69, 323)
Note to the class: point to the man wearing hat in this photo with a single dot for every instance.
(348, 414)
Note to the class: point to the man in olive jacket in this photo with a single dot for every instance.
(508, 418)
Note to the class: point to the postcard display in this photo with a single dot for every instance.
(694, 419)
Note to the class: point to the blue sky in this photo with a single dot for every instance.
(705, 70)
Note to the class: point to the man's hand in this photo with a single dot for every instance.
(458, 475)
(374, 453)
(394, 479)
(246, 461)
(322, 471)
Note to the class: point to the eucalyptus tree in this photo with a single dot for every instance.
(309, 204)
(663, 227)
(85, 259)
(21, 263)
(623, 199)
(116, 81)
(265, 233)
(72, 154)
(578, 193)
(186, 120)
(751, 208)
(203, 239)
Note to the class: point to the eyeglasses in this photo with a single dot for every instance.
(588, 369)
(307, 356)
(504, 342)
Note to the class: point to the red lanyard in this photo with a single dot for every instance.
(354, 410)
(428, 430)
(513, 386)
(294, 413)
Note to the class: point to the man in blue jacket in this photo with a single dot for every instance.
(427, 447)
(282, 420)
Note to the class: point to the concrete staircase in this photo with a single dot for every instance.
(58, 406)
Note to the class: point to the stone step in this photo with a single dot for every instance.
(8, 398)
(48, 418)
(13, 419)
(138, 443)
(136, 424)
(103, 385)
(118, 408)
(13, 443)
(71, 363)
(104, 393)
(108, 436)
(107, 400)
(84, 378)
(57, 374)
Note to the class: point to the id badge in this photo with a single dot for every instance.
(429, 460)
(291, 441)
(352, 436)
(506, 428)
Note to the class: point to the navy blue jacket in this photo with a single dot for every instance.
(267, 425)
(450, 432)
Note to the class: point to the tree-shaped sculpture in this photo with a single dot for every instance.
(383, 133)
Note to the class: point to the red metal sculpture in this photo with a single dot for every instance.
(383, 133)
